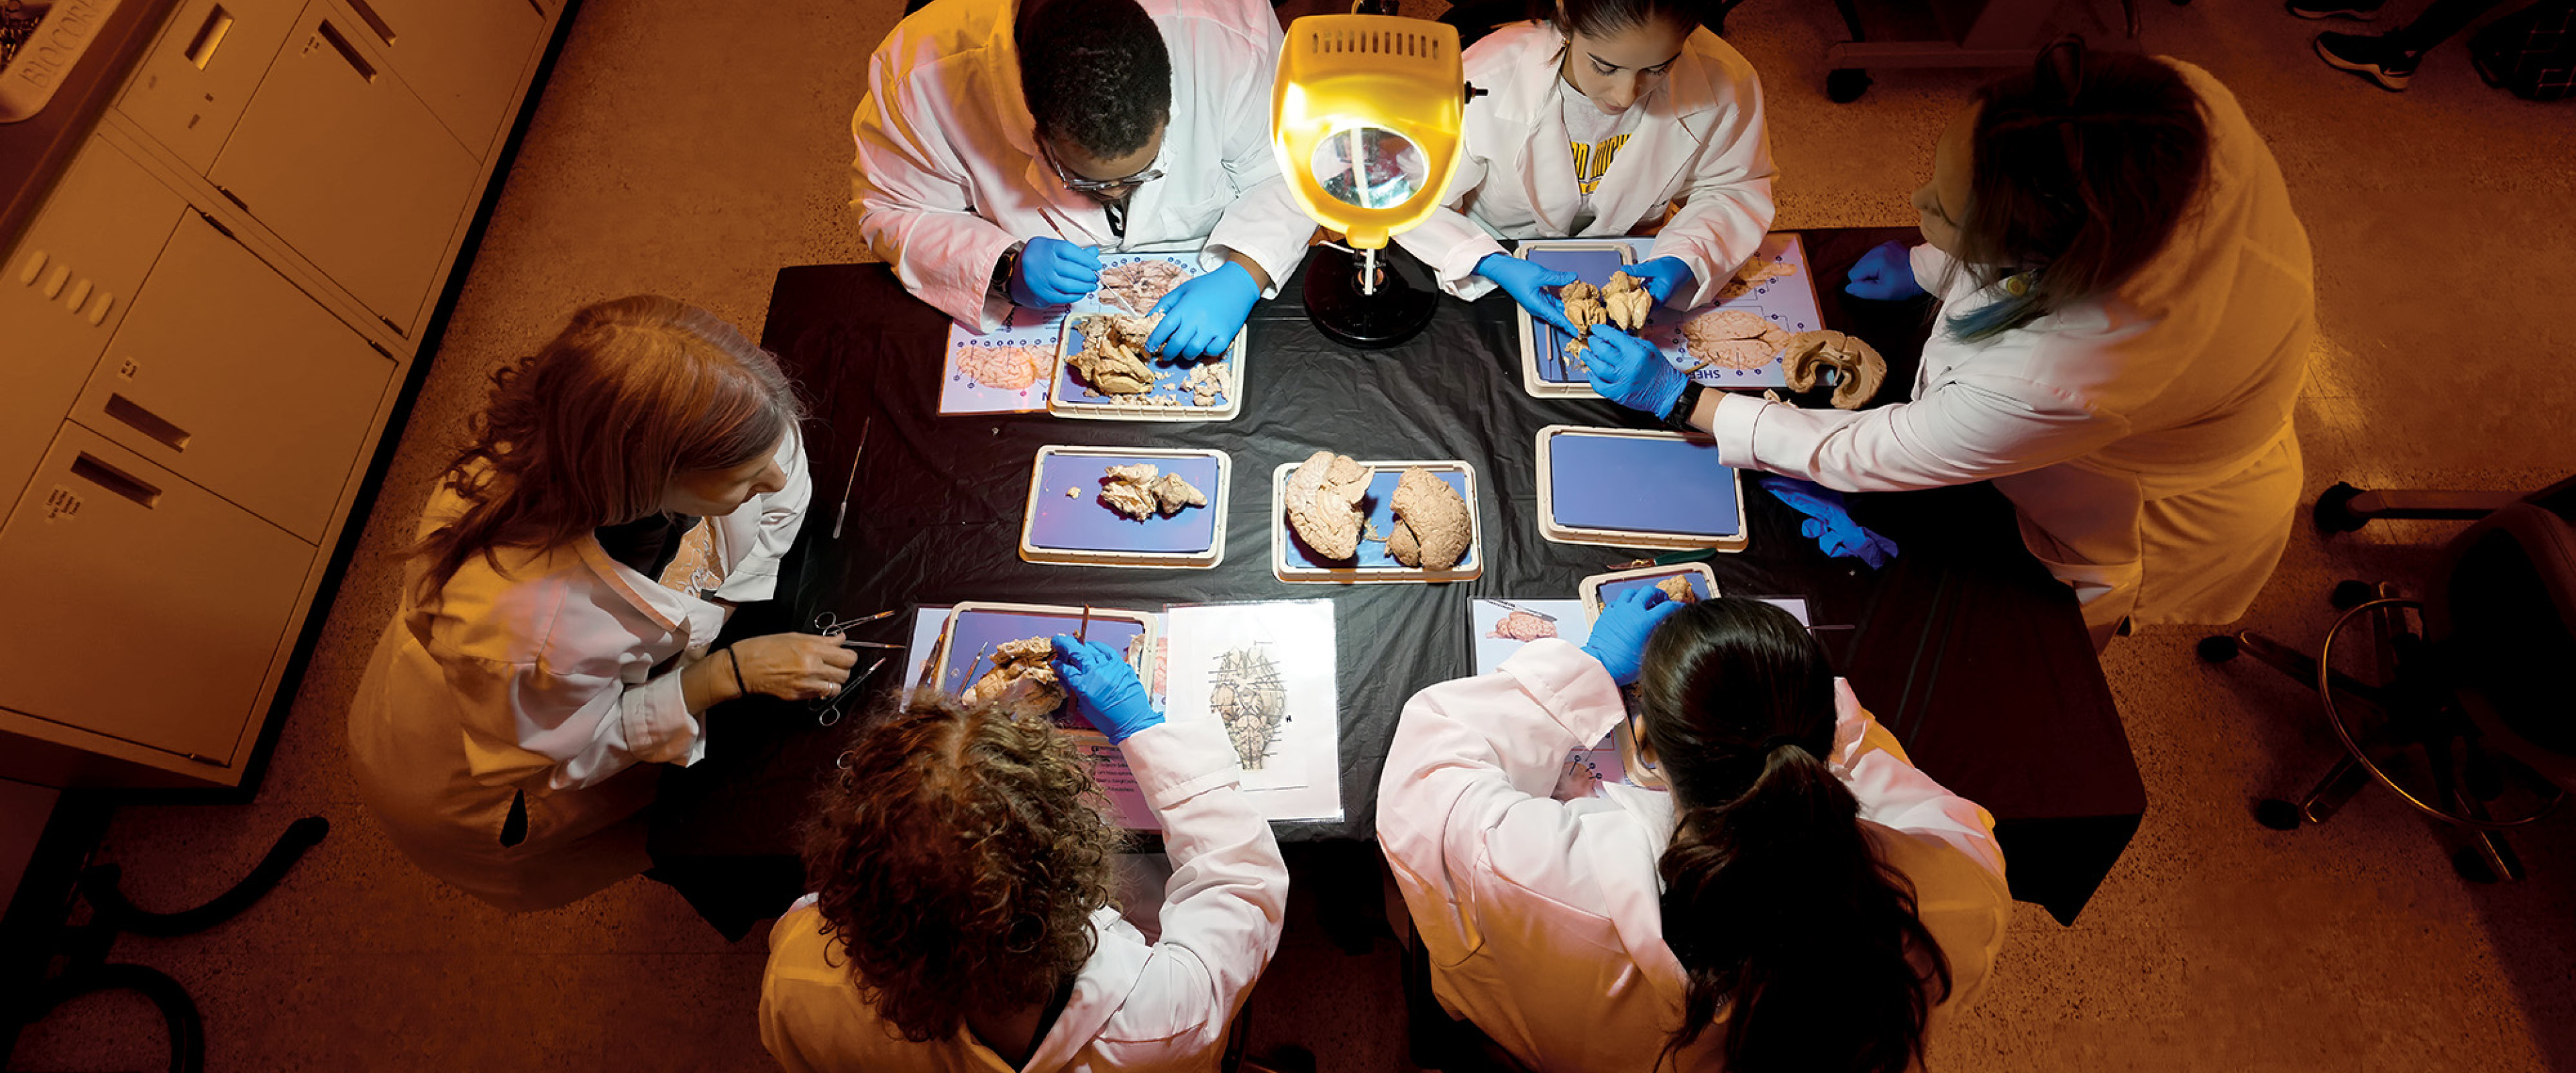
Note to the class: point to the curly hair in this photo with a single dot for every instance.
(1095, 73)
(591, 429)
(959, 856)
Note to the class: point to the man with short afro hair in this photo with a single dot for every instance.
(1005, 145)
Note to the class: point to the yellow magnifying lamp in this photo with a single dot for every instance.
(1365, 119)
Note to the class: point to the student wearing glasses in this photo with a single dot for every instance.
(1004, 145)
(2126, 305)
(1609, 118)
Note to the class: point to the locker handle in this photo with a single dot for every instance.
(374, 21)
(115, 480)
(201, 49)
(147, 422)
(347, 51)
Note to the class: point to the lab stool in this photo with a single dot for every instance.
(1975, 33)
(2455, 702)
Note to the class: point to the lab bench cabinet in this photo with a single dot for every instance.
(208, 324)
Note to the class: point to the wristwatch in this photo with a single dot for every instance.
(1002, 269)
(1678, 418)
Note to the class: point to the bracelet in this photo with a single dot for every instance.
(1678, 418)
(739, 689)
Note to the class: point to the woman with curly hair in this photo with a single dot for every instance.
(962, 918)
(1787, 893)
(627, 486)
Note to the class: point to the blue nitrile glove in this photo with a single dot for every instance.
(1631, 372)
(1618, 637)
(1053, 272)
(1104, 688)
(1885, 273)
(1829, 523)
(1203, 314)
(1528, 282)
(1663, 276)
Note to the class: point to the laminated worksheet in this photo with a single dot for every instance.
(1004, 371)
(1266, 673)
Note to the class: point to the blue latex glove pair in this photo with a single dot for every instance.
(1203, 314)
(1829, 523)
(1885, 273)
(1631, 372)
(1053, 272)
(1103, 688)
(1619, 636)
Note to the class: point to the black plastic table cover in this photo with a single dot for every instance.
(1963, 647)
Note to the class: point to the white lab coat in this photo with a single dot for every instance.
(949, 175)
(1137, 1004)
(1542, 918)
(2145, 439)
(553, 676)
(1700, 154)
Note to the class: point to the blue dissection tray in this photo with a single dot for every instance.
(1086, 524)
(1380, 505)
(1592, 266)
(1639, 484)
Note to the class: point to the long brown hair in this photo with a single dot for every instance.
(959, 855)
(592, 428)
(2082, 169)
(1774, 902)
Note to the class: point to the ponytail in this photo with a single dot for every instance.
(1781, 913)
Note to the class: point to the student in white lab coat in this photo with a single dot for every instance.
(626, 487)
(1800, 898)
(1614, 117)
(990, 174)
(963, 917)
(2126, 308)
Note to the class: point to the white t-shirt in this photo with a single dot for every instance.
(1593, 138)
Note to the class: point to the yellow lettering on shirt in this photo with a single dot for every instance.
(1591, 162)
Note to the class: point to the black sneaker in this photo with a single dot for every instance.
(2356, 10)
(2370, 57)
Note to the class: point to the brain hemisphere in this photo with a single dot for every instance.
(1432, 526)
(1323, 498)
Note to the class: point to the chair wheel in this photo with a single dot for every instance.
(2333, 512)
(2218, 648)
(1846, 85)
(2352, 594)
(2277, 814)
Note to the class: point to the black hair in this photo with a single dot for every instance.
(1095, 73)
(1774, 902)
(1604, 18)
(2082, 169)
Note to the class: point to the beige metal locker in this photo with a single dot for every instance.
(64, 290)
(465, 58)
(191, 88)
(160, 606)
(230, 376)
(340, 159)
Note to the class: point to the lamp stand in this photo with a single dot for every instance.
(1387, 305)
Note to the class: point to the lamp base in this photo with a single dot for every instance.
(1397, 312)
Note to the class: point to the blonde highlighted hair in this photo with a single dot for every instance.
(592, 428)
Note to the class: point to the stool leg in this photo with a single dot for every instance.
(2302, 668)
(2332, 792)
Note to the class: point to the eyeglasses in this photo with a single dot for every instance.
(1081, 185)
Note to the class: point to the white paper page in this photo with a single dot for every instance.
(1271, 666)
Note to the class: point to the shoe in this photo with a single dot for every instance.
(2356, 10)
(2370, 57)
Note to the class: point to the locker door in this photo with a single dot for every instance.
(343, 162)
(64, 290)
(191, 88)
(230, 376)
(149, 609)
(463, 57)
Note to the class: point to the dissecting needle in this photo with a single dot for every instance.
(843, 512)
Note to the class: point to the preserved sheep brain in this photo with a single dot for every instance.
(1858, 369)
(1323, 499)
(1112, 358)
(1022, 680)
(1141, 491)
(1432, 526)
(1629, 301)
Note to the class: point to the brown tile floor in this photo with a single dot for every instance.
(693, 154)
